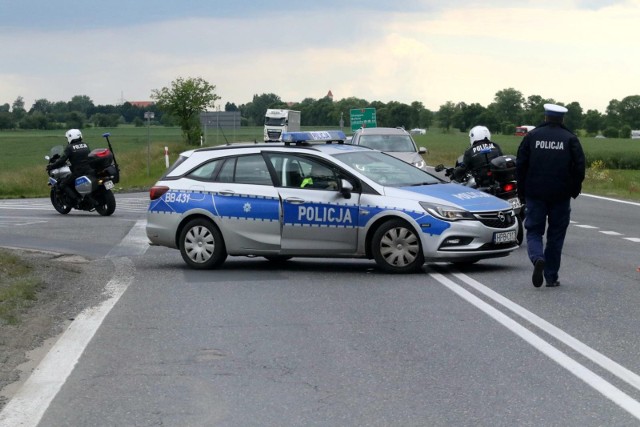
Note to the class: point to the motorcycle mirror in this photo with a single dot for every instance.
(439, 168)
(106, 135)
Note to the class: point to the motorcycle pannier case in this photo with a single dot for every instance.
(100, 158)
(503, 168)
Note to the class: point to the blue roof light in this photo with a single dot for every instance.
(313, 136)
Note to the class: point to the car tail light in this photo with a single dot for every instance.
(509, 187)
(157, 191)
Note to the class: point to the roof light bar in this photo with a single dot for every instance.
(327, 136)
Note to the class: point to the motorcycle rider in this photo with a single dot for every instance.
(77, 152)
(476, 158)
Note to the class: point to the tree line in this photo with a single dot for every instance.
(509, 109)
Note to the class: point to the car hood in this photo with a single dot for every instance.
(406, 156)
(451, 194)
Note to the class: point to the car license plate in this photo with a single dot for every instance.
(515, 203)
(504, 237)
(108, 185)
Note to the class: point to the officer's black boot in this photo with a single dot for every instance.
(72, 196)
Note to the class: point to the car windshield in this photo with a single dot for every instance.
(388, 143)
(386, 170)
(274, 121)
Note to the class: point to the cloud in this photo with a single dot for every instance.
(406, 51)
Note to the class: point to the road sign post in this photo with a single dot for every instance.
(149, 115)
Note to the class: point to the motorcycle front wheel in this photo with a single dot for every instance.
(107, 204)
(58, 203)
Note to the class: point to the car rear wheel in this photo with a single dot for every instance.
(397, 248)
(202, 245)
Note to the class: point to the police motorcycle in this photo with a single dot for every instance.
(498, 179)
(94, 189)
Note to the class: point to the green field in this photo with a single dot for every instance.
(140, 154)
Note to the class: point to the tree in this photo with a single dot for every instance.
(533, 113)
(185, 100)
(6, 120)
(75, 120)
(573, 119)
(592, 122)
(255, 110)
(42, 106)
(508, 105)
(445, 115)
(629, 110)
(17, 109)
(81, 103)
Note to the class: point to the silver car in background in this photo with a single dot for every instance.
(394, 141)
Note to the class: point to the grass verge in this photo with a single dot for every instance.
(18, 287)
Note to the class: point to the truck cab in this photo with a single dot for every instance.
(278, 121)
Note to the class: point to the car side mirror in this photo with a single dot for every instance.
(423, 150)
(346, 188)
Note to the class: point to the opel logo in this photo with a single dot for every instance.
(501, 217)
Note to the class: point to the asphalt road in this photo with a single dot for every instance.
(335, 342)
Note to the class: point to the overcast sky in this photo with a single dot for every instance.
(401, 50)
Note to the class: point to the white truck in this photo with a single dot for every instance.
(278, 121)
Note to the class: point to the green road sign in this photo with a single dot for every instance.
(363, 118)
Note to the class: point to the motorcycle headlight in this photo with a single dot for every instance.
(447, 213)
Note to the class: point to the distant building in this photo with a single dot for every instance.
(141, 104)
(330, 95)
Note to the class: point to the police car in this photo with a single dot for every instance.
(313, 196)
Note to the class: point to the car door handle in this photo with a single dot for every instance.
(227, 192)
(294, 200)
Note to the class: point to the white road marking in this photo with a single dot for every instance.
(29, 404)
(125, 204)
(134, 243)
(580, 371)
(585, 226)
(611, 233)
(633, 239)
(611, 200)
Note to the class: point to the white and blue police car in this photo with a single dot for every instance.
(313, 196)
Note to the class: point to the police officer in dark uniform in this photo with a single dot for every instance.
(476, 158)
(77, 152)
(550, 167)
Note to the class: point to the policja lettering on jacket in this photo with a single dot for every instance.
(550, 145)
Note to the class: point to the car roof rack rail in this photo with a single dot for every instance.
(305, 138)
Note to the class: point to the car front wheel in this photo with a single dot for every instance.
(397, 248)
(202, 245)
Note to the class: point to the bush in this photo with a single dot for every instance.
(611, 132)
(625, 131)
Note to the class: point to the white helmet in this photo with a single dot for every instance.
(72, 135)
(478, 133)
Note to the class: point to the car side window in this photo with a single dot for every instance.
(252, 170)
(205, 172)
(302, 172)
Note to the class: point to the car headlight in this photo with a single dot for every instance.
(420, 164)
(447, 213)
